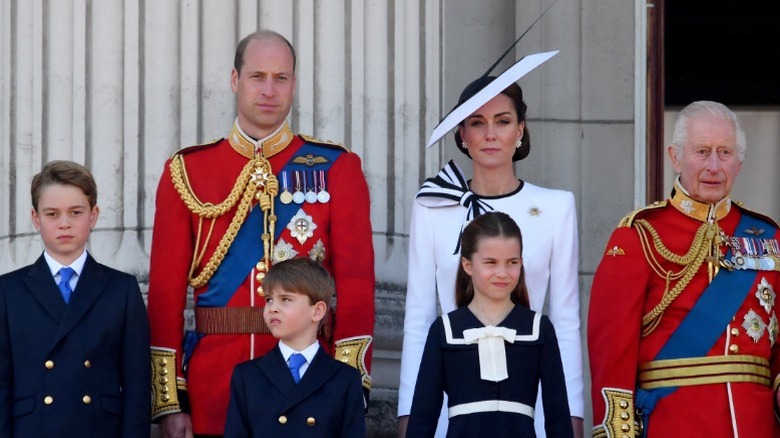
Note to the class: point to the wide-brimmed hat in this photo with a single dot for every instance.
(486, 87)
(480, 91)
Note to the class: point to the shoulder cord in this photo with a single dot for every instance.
(704, 243)
(256, 181)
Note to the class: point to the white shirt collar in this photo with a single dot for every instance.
(308, 352)
(55, 266)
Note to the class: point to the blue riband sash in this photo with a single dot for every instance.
(247, 248)
(705, 322)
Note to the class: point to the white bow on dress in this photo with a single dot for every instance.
(492, 352)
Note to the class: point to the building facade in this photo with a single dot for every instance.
(120, 85)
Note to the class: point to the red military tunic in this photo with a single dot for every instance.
(343, 232)
(630, 282)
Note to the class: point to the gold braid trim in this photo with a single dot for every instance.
(352, 351)
(207, 210)
(704, 245)
(256, 181)
(165, 399)
(620, 418)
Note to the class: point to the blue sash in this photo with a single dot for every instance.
(704, 324)
(247, 248)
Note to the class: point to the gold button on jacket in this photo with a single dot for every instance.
(48, 400)
(310, 421)
(49, 364)
(282, 420)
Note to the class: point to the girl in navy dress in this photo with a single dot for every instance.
(490, 354)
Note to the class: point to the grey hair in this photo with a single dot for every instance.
(706, 108)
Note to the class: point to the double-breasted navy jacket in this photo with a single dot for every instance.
(73, 370)
(265, 401)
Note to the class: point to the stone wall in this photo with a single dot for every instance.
(119, 85)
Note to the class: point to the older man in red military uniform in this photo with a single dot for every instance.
(228, 210)
(683, 314)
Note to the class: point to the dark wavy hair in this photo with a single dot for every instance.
(515, 93)
(493, 224)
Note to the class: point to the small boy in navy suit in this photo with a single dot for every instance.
(297, 389)
(74, 335)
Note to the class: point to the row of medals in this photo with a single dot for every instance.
(309, 186)
(756, 254)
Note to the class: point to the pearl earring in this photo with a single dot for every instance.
(464, 145)
(519, 143)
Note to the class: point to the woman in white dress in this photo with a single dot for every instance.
(494, 137)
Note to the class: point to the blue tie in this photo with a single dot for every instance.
(65, 275)
(296, 362)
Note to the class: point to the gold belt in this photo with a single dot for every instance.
(239, 320)
(704, 371)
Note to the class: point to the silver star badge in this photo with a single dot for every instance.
(301, 226)
(753, 325)
(283, 251)
(766, 295)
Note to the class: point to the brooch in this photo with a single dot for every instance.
(317, 252)
(766, 295)
(283, 251)
(615, 251)
(301, 226)
(753, 325)
(309, 160)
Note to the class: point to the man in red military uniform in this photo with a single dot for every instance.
(228, 210)
(683, 324)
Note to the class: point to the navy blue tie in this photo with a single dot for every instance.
(65, 275)
(296, 362)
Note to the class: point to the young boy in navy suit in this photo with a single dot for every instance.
(74, 335)
(297, 389)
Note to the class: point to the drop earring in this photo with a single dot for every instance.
(519, 143)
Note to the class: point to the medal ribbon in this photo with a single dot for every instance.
(704, 324)
(247, 248)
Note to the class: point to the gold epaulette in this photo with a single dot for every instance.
(165, 398)
(756, 214)
(352, 351)
(310, 139)
(628, 220)
(189, 149)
